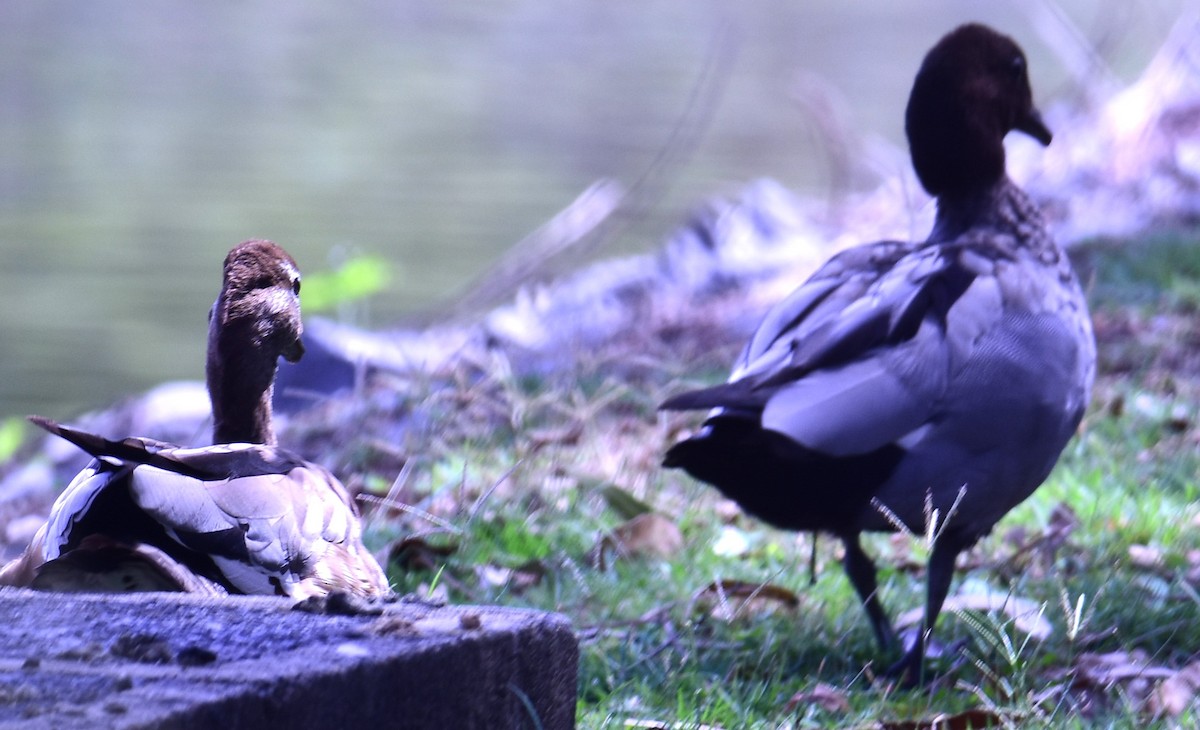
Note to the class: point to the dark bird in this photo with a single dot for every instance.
(921, 386)
(242, 516)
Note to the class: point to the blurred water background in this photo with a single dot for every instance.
(139, 141)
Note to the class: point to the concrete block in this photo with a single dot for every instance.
(180, 661)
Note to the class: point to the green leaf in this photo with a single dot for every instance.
(12, 432)
(357, 278)
(624, 503)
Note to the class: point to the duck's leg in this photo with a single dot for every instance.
(861, 571)
(909, 670)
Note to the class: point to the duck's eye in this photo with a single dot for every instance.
(1016, 68)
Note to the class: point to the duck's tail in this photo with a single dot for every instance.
(129, 451)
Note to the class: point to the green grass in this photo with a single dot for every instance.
(515, 482)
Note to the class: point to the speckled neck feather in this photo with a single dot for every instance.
(255, 320)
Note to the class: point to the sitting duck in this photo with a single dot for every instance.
(242, 516)
(930, 386)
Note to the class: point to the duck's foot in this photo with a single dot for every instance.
(910, 672)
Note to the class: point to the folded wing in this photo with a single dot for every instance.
(861, 355)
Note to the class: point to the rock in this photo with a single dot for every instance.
(181, 661)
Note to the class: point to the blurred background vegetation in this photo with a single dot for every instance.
(141, 140)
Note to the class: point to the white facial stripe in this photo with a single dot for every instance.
(292, 272)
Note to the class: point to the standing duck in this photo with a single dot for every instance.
(243, 516)
(921, 386)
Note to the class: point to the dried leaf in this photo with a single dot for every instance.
(1193, 570)
(517, 580)
(1128, 673)
(538, 439)
(416, 553)
(727, 599)
(727, 510)
(825, 696)
(1117, 666)
(1027, 616)
(1062, 523)
(648, 535)
(1017, 536)
(660, 725)
(1045, 543)
(969, 720)
(1144, 556)
(1177, 693)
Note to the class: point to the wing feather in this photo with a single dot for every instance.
(862, 354)
(280, 523)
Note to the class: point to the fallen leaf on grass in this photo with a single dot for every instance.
(1027, 616)
(416, 553)
(1177, 693)
(727, 599)
(1036, 549)
(1117, 666)
(726, 510)
(968, 720)
(660, 725)
(1154, 689)
(1193, 570)
(538, 439)
(1127, 673)
(650, 534)
(517, 580)
(825, 696)
(647, 535)
(1144, 556)
(1062, 524)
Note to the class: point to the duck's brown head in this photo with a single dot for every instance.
(254, 321)
(971, 91)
